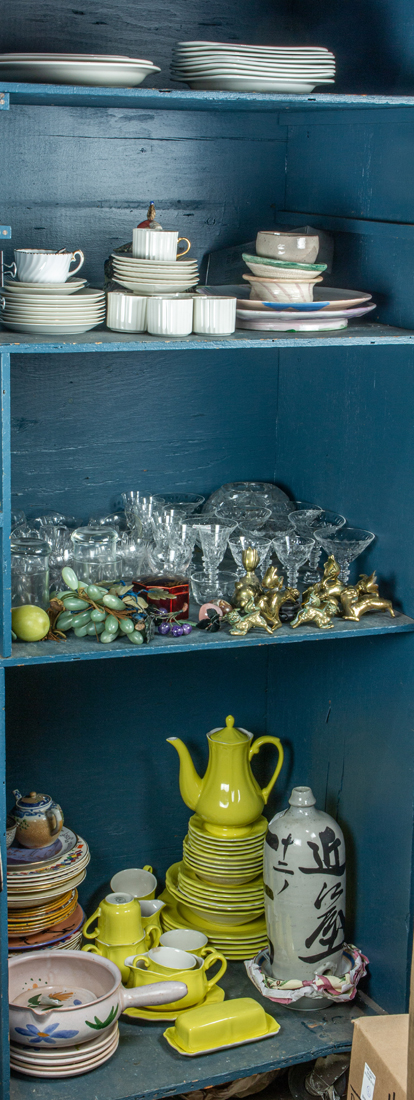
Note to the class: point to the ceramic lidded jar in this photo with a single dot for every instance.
(39, 819)
(304, 876)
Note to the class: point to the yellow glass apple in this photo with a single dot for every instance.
(30, 623)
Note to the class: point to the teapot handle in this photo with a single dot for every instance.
(55, 816)
(255, 748)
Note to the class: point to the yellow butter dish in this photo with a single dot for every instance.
(212, 1027)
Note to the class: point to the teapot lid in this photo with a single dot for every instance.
(32, 799)
(229, 735)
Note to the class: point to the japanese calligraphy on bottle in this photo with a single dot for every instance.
(304, 876)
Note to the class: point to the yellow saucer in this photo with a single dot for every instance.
(254, 928)
(257, 828)
(214, 997)
(272, 1029)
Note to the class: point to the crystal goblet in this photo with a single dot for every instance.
(346, 544)
(242, 542)
(213, 539)
(187, 502)
(292, 551)
(133, 553)
(305, 523)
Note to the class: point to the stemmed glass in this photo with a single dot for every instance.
(346, 544)
(251, 517)
(187, 502)
(132, 550)
(292, 551)
(242, 542)
(304, 522)
(213, 538)
(163, 524)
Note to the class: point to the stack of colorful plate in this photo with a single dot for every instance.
(330, 309)
(70, 1061)
(218, 888)
(42, 895)
(51, 308)
(239, 68)
(148, 277)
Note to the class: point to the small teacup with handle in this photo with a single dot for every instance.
(44, 265)
(119, 921)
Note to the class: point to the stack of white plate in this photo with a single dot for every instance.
(99, 70)
(148, 277)
(51, 308)
(70, 1061)
(225, 67)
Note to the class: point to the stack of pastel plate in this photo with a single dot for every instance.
(236, 942)
(98, 70)
(148, 277)
(69, 1061)
(331, 309)
(227, 67)
(35, 309)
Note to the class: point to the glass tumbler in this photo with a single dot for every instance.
(30, 572)
(94, 554)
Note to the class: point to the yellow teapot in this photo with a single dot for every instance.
(228, 798)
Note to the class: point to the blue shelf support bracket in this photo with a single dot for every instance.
(5, 232)
(4, 998)
(5, 504)
(4, 101)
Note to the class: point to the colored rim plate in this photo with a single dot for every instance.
(294, 326)
(272, 1029)
(38, 857)
(51, 935)
(215, 996)
(64, 858)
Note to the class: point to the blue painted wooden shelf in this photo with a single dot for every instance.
(172, 99)
(81, 649)
(102, 340)
(145, 1066)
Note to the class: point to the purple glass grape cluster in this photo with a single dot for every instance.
(175, 629)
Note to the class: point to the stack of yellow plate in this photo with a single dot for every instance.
(42, 892)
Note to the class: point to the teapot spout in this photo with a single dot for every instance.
(190, 782)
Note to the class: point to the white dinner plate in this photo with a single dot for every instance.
(157, 288)
(293, 325)
(71, 287)
(251, 84)
(243, 47)
(48, 330)
(110, 74)
(73, 57)
(286, 315)
(156, 271)
(265, 72)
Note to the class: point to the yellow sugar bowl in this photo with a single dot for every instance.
(212, 1027)
(195, 977)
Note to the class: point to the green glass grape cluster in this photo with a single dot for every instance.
(92, 613)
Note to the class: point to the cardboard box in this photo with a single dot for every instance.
(378, 1069)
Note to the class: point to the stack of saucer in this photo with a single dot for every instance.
(54, 309)
(148, 277)
(218, 888)
(68, 1061)
(42, 895)
(227, 67)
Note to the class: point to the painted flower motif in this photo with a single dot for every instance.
(49, 1035)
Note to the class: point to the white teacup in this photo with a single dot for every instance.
(157, 244)
(214, 316)
(170, 958)
(138, 881)
(43, 265)
(170, 316)
(185, 939)
(125, 312)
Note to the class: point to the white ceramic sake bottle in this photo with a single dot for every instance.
(304, 875)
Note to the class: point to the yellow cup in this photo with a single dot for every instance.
(186, 939)
(138, 881)
(198, 985)
(119, 952)
(119, 920)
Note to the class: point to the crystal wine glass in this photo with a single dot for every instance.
(133, 551)
(213, 538)
(292, 551)
(242, 542)
(346, 544)
(304, 521)
(187, 502)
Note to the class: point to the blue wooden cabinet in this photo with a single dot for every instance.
(329, 417)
